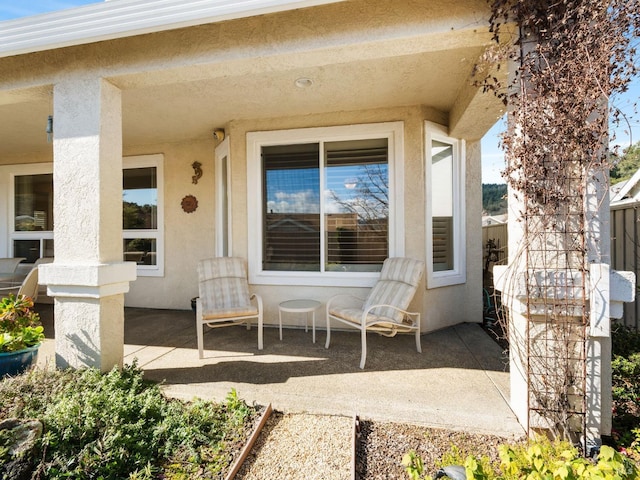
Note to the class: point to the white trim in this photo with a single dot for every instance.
(157, 161)
(393, 131)
(458, 274)
(7, 181)
(125, 18)
(7, 233)
(222, 153)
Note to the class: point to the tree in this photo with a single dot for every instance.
(494, 198)
(627, 165)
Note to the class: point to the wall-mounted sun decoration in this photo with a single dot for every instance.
(189, 203)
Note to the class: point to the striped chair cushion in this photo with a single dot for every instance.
(398, 283)
(223, 288)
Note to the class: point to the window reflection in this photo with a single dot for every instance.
(442, 207)
(139, 198)
(33, 210)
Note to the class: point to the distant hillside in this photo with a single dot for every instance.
(494, 198)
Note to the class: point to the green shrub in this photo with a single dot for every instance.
(625, 367)
(539, 459)
(116, 425)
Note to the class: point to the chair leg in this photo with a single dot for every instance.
(260, 335)
(326, 344)
(199, 333)
(418, 345)
(363, 356)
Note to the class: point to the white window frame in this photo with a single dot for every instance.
(144, 161)
(458, 274)
(7, 223)
(223, 184)
(11, 234)
(392, 131)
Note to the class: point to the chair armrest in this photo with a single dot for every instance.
(13, 288)
(345, 300)
(258, 300)
(412, 315)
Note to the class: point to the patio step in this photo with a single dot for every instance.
(321, 447)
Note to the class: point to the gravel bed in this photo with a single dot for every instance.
(381, 447)
(313, 447)
(294, 446)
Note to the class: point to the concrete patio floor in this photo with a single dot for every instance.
(459, 381)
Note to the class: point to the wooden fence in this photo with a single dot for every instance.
(625, 236)
(625, 250)
(496, 253)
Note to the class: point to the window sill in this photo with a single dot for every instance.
(315, 279)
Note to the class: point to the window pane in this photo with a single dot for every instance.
(139, 198)
(442, 205)
(48, 248)
(291, 186)
(29, 249)
(140, 250)
(33, 203)
(357, 205)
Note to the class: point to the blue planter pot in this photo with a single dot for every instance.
(14, 363)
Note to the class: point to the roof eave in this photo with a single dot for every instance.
(125, 18)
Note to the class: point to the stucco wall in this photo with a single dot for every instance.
(188, 237)
(440, 307)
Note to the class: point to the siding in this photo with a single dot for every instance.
(498, 233)
(625, 232)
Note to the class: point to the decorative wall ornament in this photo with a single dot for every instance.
(198, 172)
(189, 203)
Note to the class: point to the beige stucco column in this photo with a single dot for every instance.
(88, 278)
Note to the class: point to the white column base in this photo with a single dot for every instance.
(89, 312)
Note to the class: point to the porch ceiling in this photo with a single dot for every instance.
(171, 112)
(181, 84)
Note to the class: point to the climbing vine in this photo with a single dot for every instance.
(567, 60)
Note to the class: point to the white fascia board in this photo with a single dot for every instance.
(124, 18)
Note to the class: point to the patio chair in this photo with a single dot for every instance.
(224, 297)
(8, 267)
(29, 286)
(385, 309)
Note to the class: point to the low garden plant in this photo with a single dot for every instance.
(118, 426)
(539, 459)
(542, 459)
(20, 326)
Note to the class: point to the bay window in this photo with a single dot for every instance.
(445, 229)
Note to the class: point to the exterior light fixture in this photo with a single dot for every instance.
(49, 129)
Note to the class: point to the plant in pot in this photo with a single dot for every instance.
(20, 334)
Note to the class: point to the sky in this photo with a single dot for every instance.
(492, 155)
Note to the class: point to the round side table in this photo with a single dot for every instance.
(300, 306)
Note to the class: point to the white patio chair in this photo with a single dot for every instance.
(29, 286)
(224, 297)
(8, 267)
(385, 309)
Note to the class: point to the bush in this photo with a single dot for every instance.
(116, 425)
(625, 367)
(538, 459)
